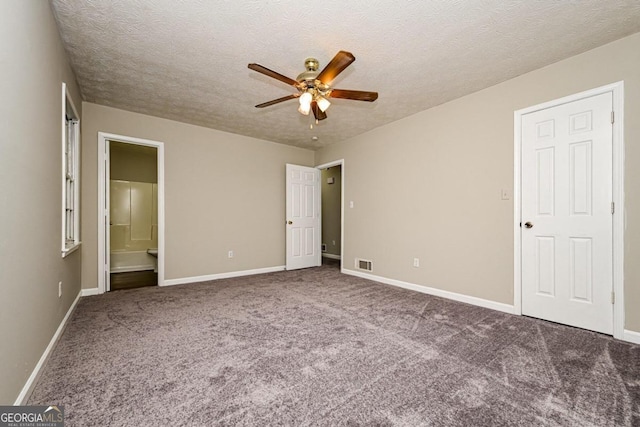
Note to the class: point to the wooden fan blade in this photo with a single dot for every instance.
(337, 65)
(267, 72)
(276, 101)
(357, 95)
(317, 112)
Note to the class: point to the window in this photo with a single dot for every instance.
(70, 175)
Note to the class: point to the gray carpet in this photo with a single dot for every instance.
(317, 348)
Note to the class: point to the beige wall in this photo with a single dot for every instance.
(331, 201)
(223, 192)
(130, 162)
(34, 65)
(438, 195)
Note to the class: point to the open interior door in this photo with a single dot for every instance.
(303, 217)
(567, 214)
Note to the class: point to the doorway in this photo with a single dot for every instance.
(131, 213)
(331, 201)
(568, 222)
(304, 212)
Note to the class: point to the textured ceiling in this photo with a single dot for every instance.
(187, 60)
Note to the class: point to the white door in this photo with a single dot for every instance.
(567, 224)
(303, 217)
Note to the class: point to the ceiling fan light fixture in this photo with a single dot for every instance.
(304, 109)
(315, 87)
(323, 103)
(306, 98)
(305, 103)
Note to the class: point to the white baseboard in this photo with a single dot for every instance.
(506, 308)
(195, 279)
(31, 381)
(89, 292)
(331, 256)
(631, 336)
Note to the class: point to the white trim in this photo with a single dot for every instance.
(63, 132)
(31, 381)
(103, 209)
(631, 336)
(103, 156)
(90, 292)
(619, 215)
(331, 256)
(228, 275)
(66, 98)
(326, 166)
(71, 249)
(617, 91)
(517, 229)
(493, 305)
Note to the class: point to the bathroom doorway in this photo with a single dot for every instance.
(131, 188)
(133, 208)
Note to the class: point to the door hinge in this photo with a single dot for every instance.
(613, 297)
(613, 117)
(613, 208)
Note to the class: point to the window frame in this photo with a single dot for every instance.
(70, 174)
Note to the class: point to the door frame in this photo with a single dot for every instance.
(103, 208)
(326, 166)
(617, 91)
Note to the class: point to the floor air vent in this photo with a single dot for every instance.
(363, 264)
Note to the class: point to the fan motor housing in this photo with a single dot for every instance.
(311, 64)
(309, 76)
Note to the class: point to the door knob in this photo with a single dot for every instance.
(289, 222)
(528, 225)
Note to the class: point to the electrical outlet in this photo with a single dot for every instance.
(230, 254)
(334, 242)
(416, 262)
(504, 194)
(59, 289)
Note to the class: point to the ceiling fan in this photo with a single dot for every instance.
(315, 87)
